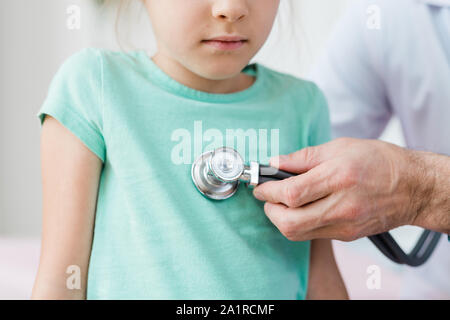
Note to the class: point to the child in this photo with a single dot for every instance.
(110, 156)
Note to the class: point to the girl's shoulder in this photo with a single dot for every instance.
(80, 65)
(99, 58)
(302, 91)
(289, 82)
(307, 102)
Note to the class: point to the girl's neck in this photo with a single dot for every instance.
(188, 78)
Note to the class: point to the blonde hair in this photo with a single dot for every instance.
(120, 11)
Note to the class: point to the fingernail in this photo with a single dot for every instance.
(257, 194)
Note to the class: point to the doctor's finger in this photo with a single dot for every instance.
(296, 223)
(342, 231)
(299, 161)
(296, 191)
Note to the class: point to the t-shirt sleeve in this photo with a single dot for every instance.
(320, 127)
(75, 99)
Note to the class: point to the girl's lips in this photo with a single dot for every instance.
(225, 45)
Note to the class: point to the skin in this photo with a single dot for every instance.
(187, 59)
(71, 172)
(324, 281)
(70, 181)
(350, 188)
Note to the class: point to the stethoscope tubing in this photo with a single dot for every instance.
(418, 256)
(267, 171)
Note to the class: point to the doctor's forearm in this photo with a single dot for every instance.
(432, 190)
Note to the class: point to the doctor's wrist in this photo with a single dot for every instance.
(430, 198)
(421, 182)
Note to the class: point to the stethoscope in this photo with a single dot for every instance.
(217, 175)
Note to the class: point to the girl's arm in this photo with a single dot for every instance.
(70, 179)
(325, 281)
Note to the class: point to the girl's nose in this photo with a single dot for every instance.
(230, 10)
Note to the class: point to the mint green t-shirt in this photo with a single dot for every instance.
(155, 235)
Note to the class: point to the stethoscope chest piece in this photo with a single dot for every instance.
(216, 173)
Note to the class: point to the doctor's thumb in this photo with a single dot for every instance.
(300, 161)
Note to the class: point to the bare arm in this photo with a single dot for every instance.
(432, 190)
(325, 281)
(70, 179)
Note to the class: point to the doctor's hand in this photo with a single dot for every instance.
(350, 188)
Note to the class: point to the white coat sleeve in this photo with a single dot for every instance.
(350, 75)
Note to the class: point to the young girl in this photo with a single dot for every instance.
(121, 216)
